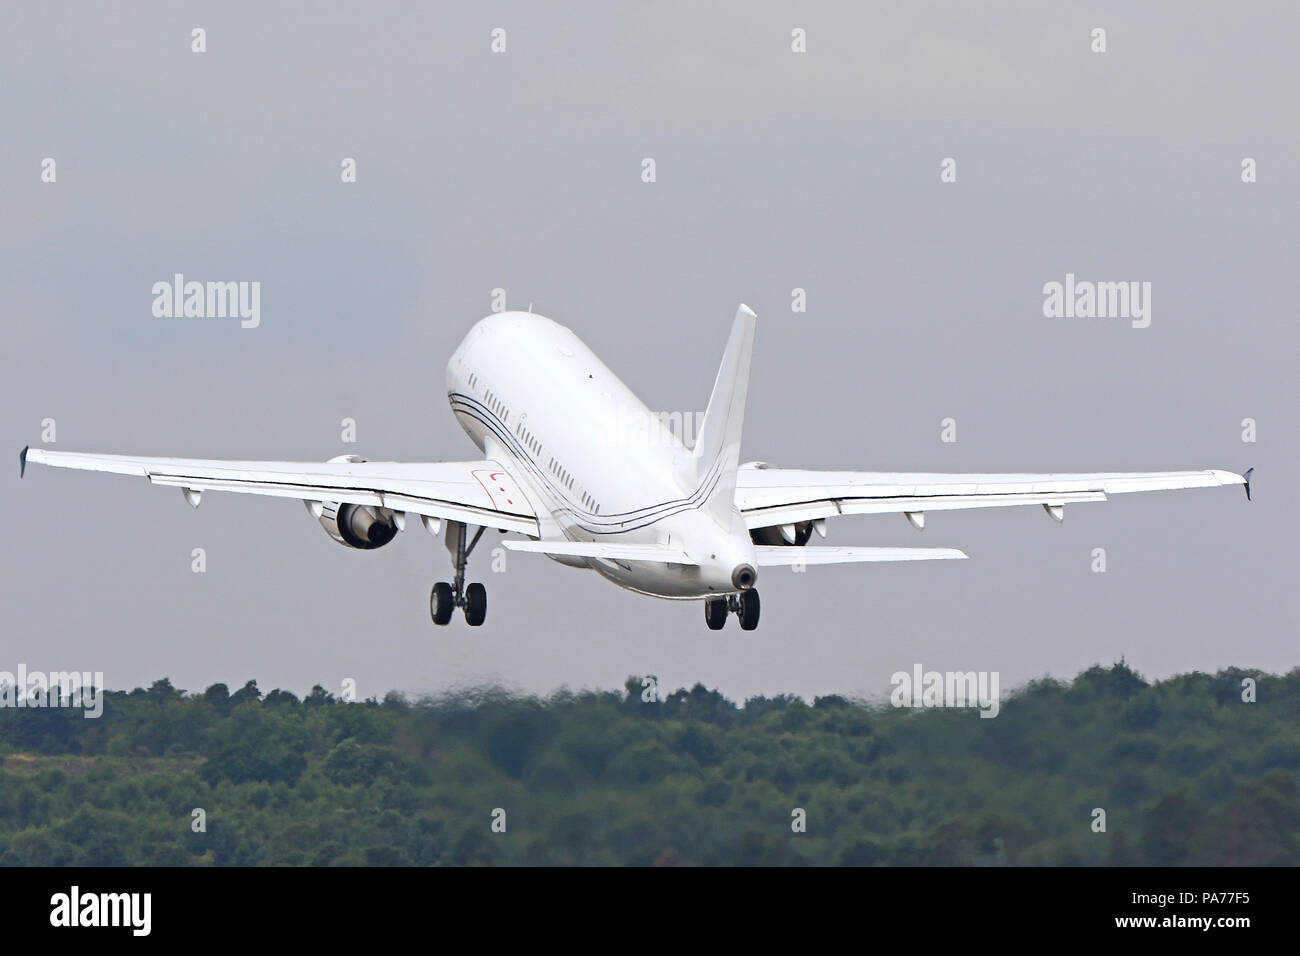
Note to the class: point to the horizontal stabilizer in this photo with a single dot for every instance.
(777, 555)
(599, 549)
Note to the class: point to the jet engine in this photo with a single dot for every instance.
(795, 534)
(357, 526)
(784, 534)
(364, 527)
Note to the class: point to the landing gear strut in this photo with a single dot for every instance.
(445, 598)
(745, 605)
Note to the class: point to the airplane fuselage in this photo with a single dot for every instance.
(593, 460)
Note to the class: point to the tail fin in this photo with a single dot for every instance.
(716, 455)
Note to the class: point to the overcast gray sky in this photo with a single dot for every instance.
(775, 170)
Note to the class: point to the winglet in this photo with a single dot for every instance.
(22, 461)
(1246, 475)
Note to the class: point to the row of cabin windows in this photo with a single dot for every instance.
(528, 439)
(496, 405)
(490, 399)
(566, 479)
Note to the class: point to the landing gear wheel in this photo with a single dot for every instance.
(748, 610)
(475, 604)
(715, 613)
(441, 603)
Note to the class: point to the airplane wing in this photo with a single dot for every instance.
(475, 492)
(772, 497)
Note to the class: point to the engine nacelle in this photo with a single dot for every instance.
(357, 526)
(364, 527)
(781, 535)
(784, 535)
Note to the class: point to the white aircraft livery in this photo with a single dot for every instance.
(638, 507)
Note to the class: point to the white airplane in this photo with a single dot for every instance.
(636, 505)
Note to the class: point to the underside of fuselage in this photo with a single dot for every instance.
(673, 582)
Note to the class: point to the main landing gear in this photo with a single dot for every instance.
(745, 604)
(445, 597)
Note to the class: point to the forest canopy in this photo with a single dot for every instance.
(1185, 771)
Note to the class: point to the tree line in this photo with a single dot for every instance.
(1188, 770)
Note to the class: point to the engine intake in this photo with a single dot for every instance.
(358, 526)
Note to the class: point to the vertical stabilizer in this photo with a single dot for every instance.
(716, 455)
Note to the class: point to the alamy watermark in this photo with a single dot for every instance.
(1085, 299)
(179, 299)
(128, 910)
(38, 689)
(634, 428)
(921, 688)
